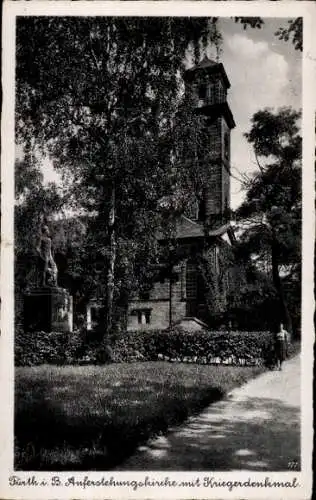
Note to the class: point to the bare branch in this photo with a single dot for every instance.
(258, 163)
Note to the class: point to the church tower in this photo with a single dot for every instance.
(207, 84)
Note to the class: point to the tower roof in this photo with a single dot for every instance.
(211, 67)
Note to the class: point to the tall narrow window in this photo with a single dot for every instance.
(192, 209)
(211, 94)
(226, 146)
(144, 316)
(191, 281)
(202, 91)
(147, 317)
(140, 317)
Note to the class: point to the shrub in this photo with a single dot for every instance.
(36, 348)
(202, 347)
(40, 347)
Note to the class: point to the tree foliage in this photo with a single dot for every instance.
(102, 96)
(272, 208)
(293, 32)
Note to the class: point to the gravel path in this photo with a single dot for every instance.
(256, 427)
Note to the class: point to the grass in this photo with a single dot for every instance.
(93, 417)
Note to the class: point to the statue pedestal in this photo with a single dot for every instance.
(48, 309)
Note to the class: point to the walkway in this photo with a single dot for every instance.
(257, 427)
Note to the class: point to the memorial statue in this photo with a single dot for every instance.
(47, 265)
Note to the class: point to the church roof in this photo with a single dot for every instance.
(187, 228)
(205, 63)
(211, 66)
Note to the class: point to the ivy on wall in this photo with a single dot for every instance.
(223, 277)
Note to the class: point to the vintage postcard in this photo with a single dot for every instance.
(157, 249)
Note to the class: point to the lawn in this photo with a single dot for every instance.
(93, 417)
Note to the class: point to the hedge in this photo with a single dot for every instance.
(36, 348)
(205, 347)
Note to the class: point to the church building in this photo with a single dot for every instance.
(183, 294)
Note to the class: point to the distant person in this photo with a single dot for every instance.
(281, 346)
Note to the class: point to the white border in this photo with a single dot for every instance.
(175, 8)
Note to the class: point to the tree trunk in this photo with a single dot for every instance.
(285, 314)
(111, 264)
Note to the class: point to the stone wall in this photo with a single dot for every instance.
(48, 309)
(155, 312)
(159, 314)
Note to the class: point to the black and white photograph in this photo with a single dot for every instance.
(156, 253)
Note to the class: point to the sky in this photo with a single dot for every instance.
(263, 72)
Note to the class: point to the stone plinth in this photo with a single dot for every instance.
(48, 309)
